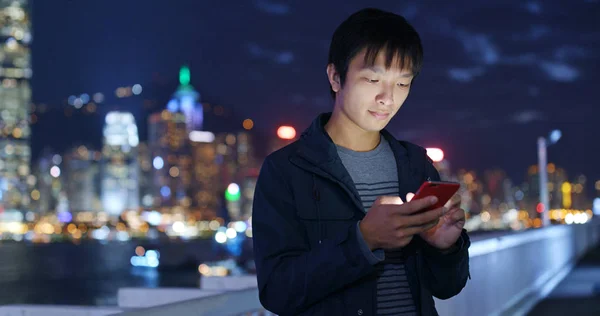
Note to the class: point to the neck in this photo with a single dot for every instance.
(347, 134)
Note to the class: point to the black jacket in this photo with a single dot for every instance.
(306, 244)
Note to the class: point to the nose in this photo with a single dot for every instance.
(385, 96)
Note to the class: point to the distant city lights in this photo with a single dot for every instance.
(55, 171)
(202, 137)
(233, 192)
(286, 132)
(136, 89)
(248, 124)
(435, 154)
(158, 163)
(150, 259)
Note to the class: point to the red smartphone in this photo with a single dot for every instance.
(442, 190)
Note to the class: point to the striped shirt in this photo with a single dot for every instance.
(375, 174)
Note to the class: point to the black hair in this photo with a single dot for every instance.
(375, 30)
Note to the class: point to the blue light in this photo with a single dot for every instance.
(519, 195)
(158, 163)
(85, 98)
(172, 106)
(149, 259)
(154, 218)
(555, 136)
(165, 191)
(64, 217)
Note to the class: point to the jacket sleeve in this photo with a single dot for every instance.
(446, 273)
(291, 274)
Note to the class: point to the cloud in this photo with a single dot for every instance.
(279, 57)
(534, 7)
(479, 47)
(465, 74)
(535, 32)
(565, 53)
(272, 7)
(284, 57)
(559, 71)
(523, 59)
(527, 116)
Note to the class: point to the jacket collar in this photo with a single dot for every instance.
(317, 147)
(317, 153)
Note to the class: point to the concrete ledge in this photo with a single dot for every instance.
(54, 310)
(145, 297)
(242, 302)
(510, 273)
(228, 282)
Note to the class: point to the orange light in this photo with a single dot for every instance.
(435, 154)
(248, 124)
(286, 132)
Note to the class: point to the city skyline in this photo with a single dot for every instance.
(486, 85)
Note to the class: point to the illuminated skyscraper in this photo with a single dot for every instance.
(83, 182)
(49, 183)
(15, 95)
(186, 101)
(168, 140)
(205, 199)
(120, 187)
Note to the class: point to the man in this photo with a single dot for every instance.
(331, 234)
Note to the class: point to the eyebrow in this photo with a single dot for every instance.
(378, 69)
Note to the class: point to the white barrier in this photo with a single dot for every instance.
(145, 297)
(510, 274)
(53, 310)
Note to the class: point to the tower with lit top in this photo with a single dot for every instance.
(186, 101)
(15, 96)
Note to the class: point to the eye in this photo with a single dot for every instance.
(371, 80)
(404, 85)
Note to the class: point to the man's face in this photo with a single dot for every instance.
(371, 95)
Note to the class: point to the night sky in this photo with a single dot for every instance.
(497, 74)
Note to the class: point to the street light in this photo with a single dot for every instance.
(543, 144)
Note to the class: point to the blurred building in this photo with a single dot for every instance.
(146, 172)
(15, 96)
(557, 186)
(578, 194)
(83, 179)
(168, 140)
(171, 148)
(48, 181)
(204, 153)
(186, 101)
(120, 170)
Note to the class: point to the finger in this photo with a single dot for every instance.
(392, 200)
(413, 230)
(431, 225)
(423, 218)
(418, 205)
(458, 216)
(409, 196)
(455, 201)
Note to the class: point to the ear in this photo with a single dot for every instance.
(334, 78)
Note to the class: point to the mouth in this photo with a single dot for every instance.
(380, 115)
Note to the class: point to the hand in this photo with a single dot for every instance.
(391, 224)
(447, 231)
